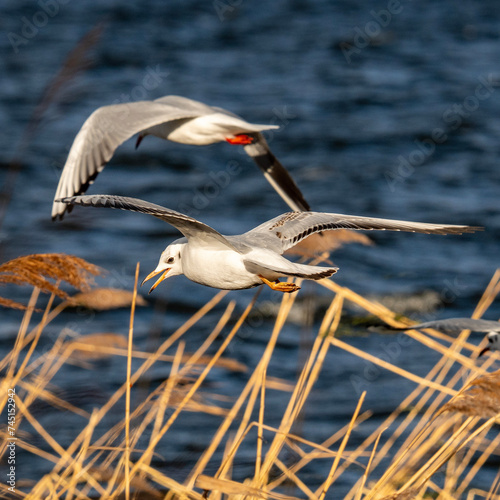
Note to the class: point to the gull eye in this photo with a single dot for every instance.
(170, 260)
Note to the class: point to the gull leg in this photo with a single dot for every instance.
(279, 286)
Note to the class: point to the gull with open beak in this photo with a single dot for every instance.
(254, 258)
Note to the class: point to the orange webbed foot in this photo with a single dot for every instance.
(280, 286)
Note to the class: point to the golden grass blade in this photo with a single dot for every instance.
(410, 494)
(97, 346)
(101, 345)
(368, 467)
(389, 366)
(77, 466)
(323, 449)
(34, 343)
(146, 365)
(29, 337)
(192, 360)
(432, 465)
(306, 380)
(127, 393)
(54, 400)
(43, 433)
(234, 488)
(495, 485)
(260, 437)
(492, 290)
(291, 476)
(481, 460)
(197, 384)
(452, 452)
(438, 372)
(286, 303)
(169, 387)
(178, 490)
(322, 490)
(14, 355)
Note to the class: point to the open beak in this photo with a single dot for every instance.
(483, 351)
(153, 274)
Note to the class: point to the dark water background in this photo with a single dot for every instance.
(405, 125)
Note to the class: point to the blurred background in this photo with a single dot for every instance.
(386, 109)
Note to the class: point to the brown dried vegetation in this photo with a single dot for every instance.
(38, 269)
(426, 447)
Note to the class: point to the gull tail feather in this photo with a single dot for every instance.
(292, 269)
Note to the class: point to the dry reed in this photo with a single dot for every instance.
(433, 444)
(38, 269)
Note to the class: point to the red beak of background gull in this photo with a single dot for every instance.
(152, 275)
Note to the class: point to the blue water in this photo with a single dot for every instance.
(401, 123)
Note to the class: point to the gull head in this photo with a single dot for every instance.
(169, 264)
(493, 342)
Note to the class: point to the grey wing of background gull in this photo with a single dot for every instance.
(456, 325)
(104, 130)
(194, 230)
(189, 105)
(285, 231)
(275, 173)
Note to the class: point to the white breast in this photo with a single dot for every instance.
(217, 268)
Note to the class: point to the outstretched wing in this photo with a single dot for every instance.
(195, 231)
(456, 325)
(285, 231)
(275, 173)
(103, 131)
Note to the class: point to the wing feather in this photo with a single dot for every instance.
(104, 130)
(456, 325)
(275, 173)
(194, 230)
(285, 231)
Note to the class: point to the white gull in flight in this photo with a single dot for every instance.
(177, 119)
(254, 258)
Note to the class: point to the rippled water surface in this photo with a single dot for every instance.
(403, 125)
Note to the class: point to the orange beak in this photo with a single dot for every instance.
(152, 275)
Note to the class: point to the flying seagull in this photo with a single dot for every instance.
(253, 258)
(177, 119)
(454, 326)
